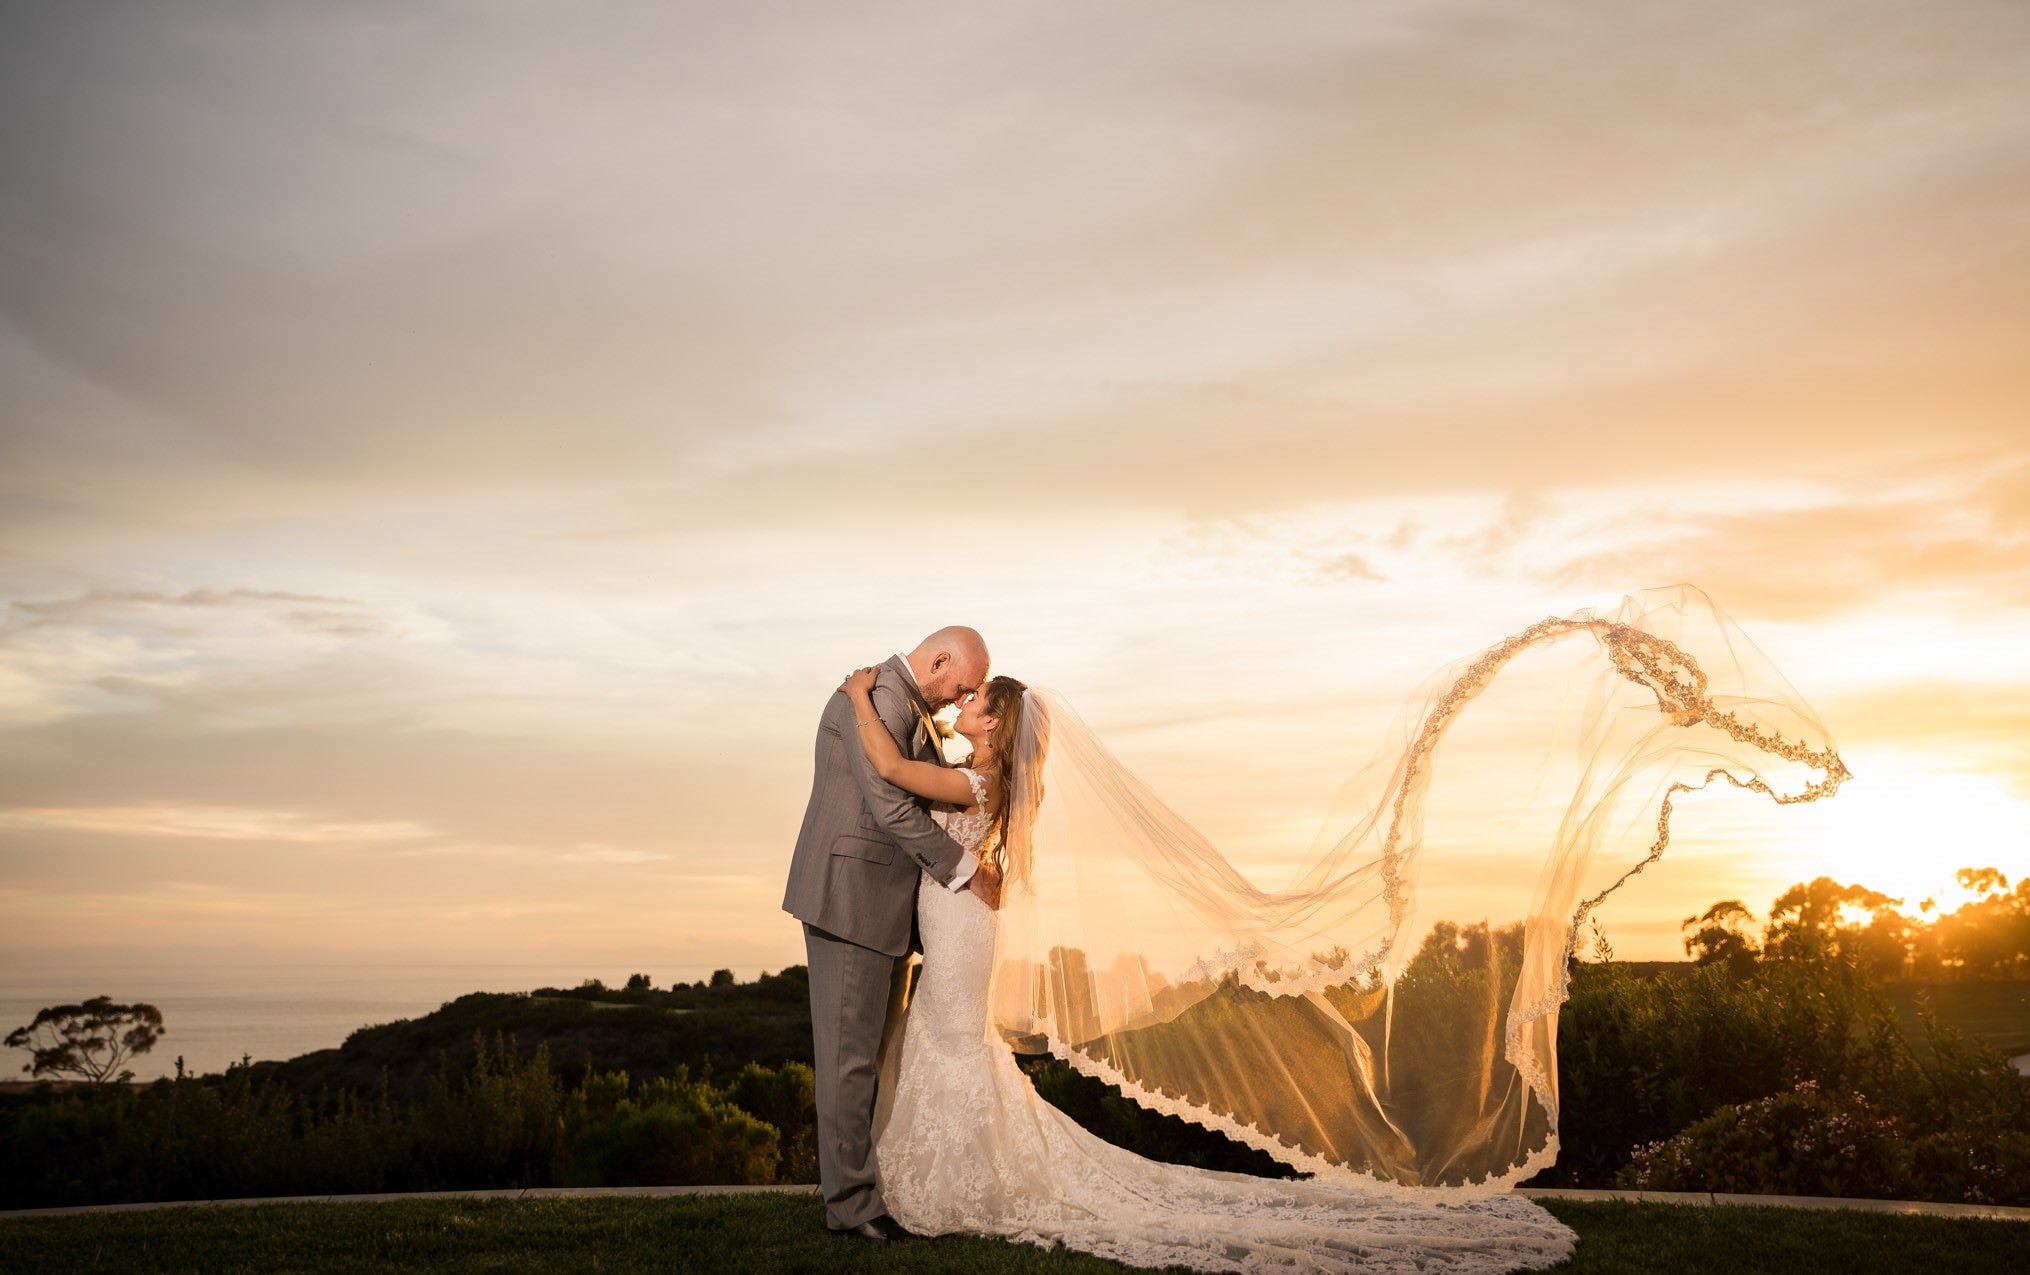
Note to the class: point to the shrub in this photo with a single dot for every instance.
(1796, 1081)
(1800, 1142)
(1811, 1142)
(223, 1137)
(496, 1125)
(676, 1132)
(1640, 1059)
(785, 1097)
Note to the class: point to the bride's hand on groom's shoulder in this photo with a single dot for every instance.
(860, 679)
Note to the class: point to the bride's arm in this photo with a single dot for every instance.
(925, 779)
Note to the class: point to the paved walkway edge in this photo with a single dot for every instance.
(1927, 1208)
(1704, 1199)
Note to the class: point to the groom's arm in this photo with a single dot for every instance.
(895, 810)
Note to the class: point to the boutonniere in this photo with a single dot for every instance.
(934, 731)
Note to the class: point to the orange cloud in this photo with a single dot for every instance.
(1818, 561)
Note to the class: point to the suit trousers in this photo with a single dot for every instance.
(857, 995)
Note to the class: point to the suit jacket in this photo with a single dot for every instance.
(863, 840)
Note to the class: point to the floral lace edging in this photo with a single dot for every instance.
(1290, 1153)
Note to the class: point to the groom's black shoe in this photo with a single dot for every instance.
(882, 1230)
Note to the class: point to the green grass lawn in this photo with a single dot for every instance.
(1997, 1012)
(766, 1233)
(573, 1000)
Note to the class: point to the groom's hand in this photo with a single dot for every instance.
(986, 882)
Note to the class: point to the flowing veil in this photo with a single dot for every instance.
(1388, 1019)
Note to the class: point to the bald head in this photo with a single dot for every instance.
(949, 665)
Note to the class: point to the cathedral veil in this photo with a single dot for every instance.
(1388, 1018)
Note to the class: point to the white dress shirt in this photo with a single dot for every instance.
(971, 862)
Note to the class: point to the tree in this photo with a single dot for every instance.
(1981, 880)
(1721, 938)
(1805, 920)
(88, 1041)
(722, 978)
(1988, 937)
(638, 983)
(1454, 948)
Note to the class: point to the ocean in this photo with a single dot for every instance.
(212, 1014)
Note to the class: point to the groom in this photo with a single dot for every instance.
(852, 882)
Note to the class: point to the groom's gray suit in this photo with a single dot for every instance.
(852, 882)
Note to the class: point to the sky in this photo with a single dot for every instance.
(449, 452)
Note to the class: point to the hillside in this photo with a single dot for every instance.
(643, 1032)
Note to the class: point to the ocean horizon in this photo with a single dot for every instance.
(214, 1012)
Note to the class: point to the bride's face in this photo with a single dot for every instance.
(972, 721)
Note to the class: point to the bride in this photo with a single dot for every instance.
(1415, 1087)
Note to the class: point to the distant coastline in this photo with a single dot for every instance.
(217, 1013)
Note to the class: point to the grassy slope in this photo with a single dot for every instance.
(1998, 1013)
(770, 1233)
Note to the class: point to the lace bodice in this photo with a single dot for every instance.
(968, 828)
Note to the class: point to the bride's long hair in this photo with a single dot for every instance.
(1006, 699)
(1027, 749)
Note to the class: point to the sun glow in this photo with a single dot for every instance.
(1904, 830)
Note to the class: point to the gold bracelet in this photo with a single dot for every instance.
(869, 722)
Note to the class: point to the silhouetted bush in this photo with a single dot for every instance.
(1807, 1141)
(497, 1124)
(1640, 1059)
(1739, 1065)
(1942, 1118)
(1799, 1142)
(785, 1097)
(505, 1121)
(674, 1132)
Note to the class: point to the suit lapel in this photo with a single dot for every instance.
(927, 739)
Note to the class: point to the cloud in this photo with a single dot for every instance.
(213, 822)
(542, 788)
(1350, 567)
(1421, 248)
(267, 686)
(609, 854)
(335, 623)
(97, 605)
(712, 879)
(1817, 561)
(458, 850)
(1487, 550)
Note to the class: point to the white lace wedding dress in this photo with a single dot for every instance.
(965, 1144)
